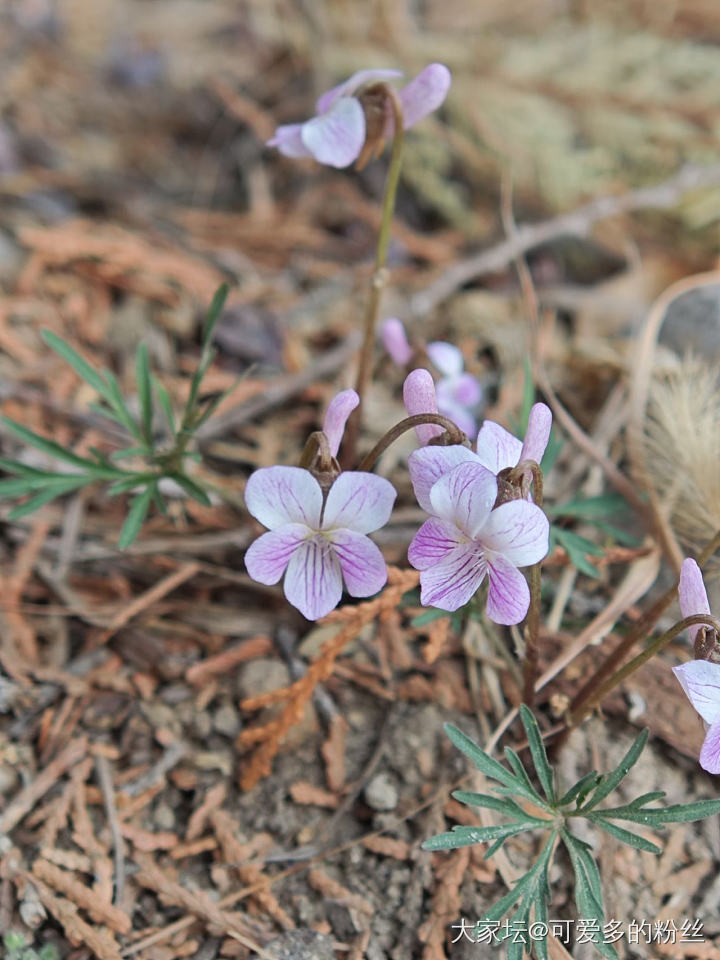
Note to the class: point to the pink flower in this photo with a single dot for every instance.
(457, 392)
(700, 679)
(318, 541)
(497, 449)
(395, 341)
(341, 406)
(466, 540)
(337, 133)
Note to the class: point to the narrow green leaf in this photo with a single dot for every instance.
(625, 836)
(466, 836)
(45, 496)
(53, 449)
(145, 395)
(191, 488)
(430, 616)
(591, 508)
(128, 452)
(580, 790)
(647, 798)
(588, 890)
(501, 804)
(524, 787)
(483, 761)
(136, 517)
(213, 314)
(577, 548)
(676, 813)
(80, 366)
(538, 752)
(610, 781)
(120, 409)
(165, 402)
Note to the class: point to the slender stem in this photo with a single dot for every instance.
(655, 647)
(579, 708)
(455, 436)
(379, 279)
(532, 634)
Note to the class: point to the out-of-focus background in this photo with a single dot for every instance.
(133, 180)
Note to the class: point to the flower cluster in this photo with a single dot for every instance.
(319, 518)
(700, 678)
(357, 111)
(457, 392)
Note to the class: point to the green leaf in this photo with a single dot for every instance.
(588, 889)
(145, 396)
(165, 402)
(430, 616)
(213, 314)
(677, 813)
(501, 804)
(45, 496)
(610, 781)
(130, 483)
(467, 836)
(80, 366)
(647, 798)
(206, 355)
(538, 752)
(625, 836)
(53, 449)
(129, 452)
(591, 508)
(136, 516)
(580, 790)
(577, 548)
(483, 761)
(191, 488)
(524, 785)
(120, 409)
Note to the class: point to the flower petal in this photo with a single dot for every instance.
(428, 464)
(313, 582)
(496, 448)
(433, 542)
(467, 390)
(710, 752)
(450, 584)
(349, 86)
(359, 501)
(538, 433)
(508, 595)
(465, 497)
(692, 594)
(267, 558)
(336, 137)
(279, 495)
(454, 411)
(395, 341)
(419, 397)
(341, 406)
(518, 531)
(447, 358)
(700, 680)
(363, 566)
(425, 93)
(288, 140)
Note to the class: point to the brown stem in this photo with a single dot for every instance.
(455, 436)
(532, 634)
(317, 452)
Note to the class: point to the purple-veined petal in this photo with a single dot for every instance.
(446, 357)
(336, 137)
(700, 680)
(465, 497)
(341, 406)
(692, 594)
(496, 448)
(710, 751)
(433, 543)
(538, 433)
(267, 558)
(454, 411)
(508, 593)
(288, 140)
(425, 93)
(519, 531)
(467, 390)
(450, 584)
(395, 341)
(428, 464)
(363, 566)
(279, 495)
(313, 582)
(359, 501)
(419, 397)
(349, 86)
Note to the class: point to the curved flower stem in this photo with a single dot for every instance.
(655, 647)
(455, 436)
(532, 624)
(317, 448)
(379, 279)
(579, 708)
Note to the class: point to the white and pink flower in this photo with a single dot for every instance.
(336, 134)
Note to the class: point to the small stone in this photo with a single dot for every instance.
(164, 817)
(227, 721)
(262, 676)
(301, 945)
(381, 793)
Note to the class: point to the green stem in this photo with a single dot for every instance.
(379, 279)
(655, 647)
(455, 436)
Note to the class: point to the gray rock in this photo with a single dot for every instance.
(301, 945)
(381, 793)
